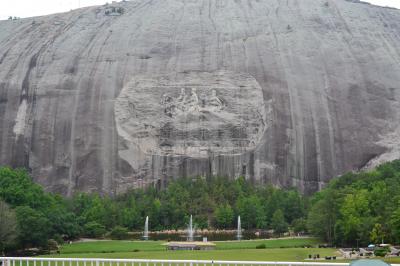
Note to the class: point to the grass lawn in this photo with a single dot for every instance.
(276, 250)
(111, 246)
(130, 246)
(290, 249)
(271, 243)
(272, 254)
(393, 260)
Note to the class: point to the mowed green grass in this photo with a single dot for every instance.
(269, 243)
(289, 249)
(272, 254)
(138, 246)
(276, 250)
(111, 246)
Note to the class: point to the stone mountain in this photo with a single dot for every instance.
(129, 94)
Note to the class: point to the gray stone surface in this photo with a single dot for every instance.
(288, 92)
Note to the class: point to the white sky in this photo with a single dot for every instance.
(30, 8)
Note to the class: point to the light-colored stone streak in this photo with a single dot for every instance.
(20, 120)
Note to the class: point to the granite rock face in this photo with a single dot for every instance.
(288, 92)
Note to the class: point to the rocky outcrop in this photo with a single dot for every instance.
(135, 93)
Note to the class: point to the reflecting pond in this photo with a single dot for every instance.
(199, 235)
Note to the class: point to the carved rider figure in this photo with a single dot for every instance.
(214, 102)
(181, 100)
(193, 102)
(182, 95)
(169, 106)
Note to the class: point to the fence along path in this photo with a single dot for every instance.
(26, 261)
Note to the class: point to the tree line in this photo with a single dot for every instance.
(37, 216)
(359, 208)
(354, 208)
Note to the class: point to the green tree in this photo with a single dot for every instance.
(322, 216)
(175, 205)
(94, 229)
(299, 225)
(119, 233)
(278, 223)
(130, 218)
(350, 207)
(8, 227)
(293, 205)
(17, 189)
(95, 211)
(377, 234)
(224, 216)
(251, 212)
(33, 227)
(354, 215)
(63, 222)
(395, 224)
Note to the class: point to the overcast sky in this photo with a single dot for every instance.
(30, 8)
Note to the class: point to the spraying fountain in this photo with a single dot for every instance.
(190, 230)
(190, 244)
(239, 229)
(146, 229)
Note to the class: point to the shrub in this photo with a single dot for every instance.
(93, 229)
(381, 252)
(261, 246)
(119, 233)
(52, 245)
(58, 238)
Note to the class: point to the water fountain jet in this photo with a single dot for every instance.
(190, 244)
(239, 229)
(190, 230)
(146, 229)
